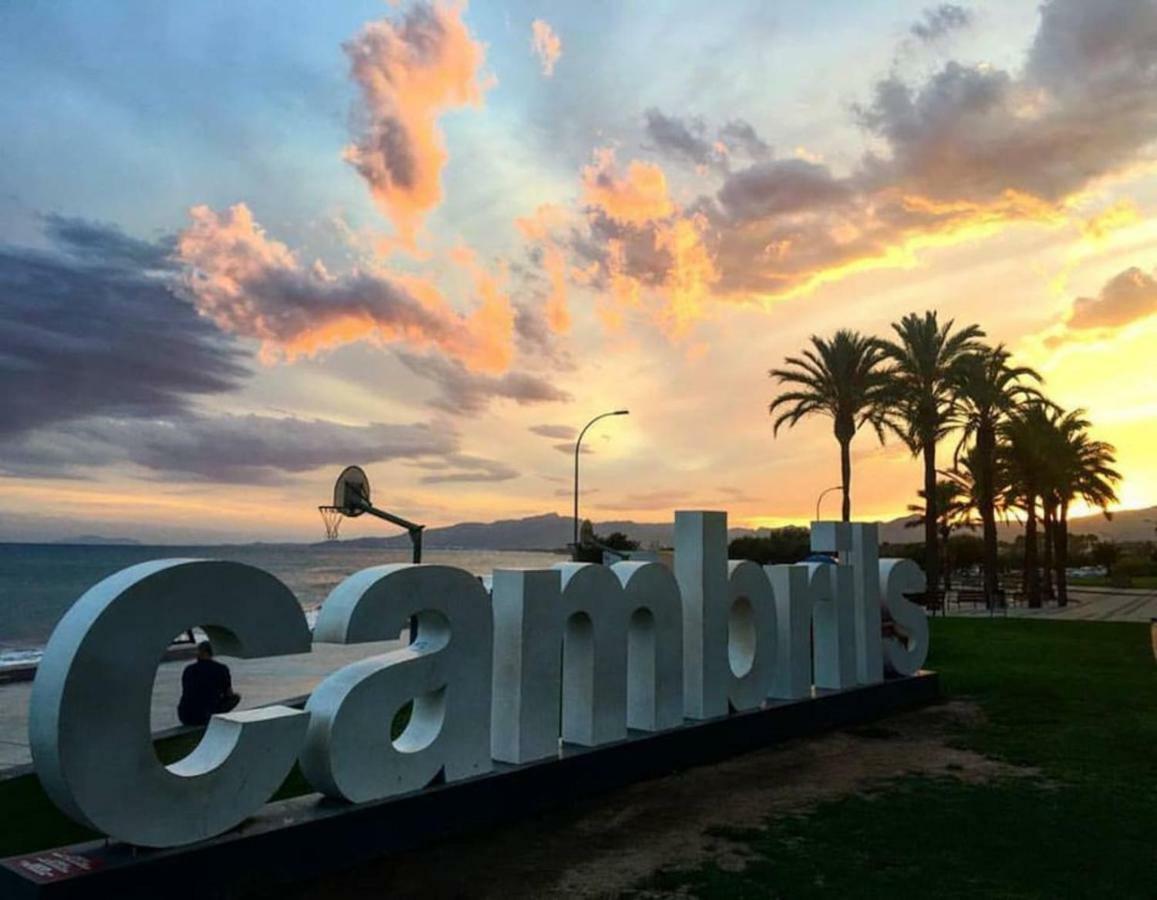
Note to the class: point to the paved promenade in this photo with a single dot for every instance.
(1092, 605)
(259, 681)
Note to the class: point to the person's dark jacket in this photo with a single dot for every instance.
(206, 688)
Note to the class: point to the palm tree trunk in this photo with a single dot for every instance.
(945, 533)
(846, 478)
(1031, 582)
(1062, 554)
(986, 445)
(1047, 561)
(931, 513)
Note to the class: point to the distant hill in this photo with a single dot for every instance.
(546, 532)
(552, 532)
(99, 540)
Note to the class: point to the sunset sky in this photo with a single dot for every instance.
(245, 244)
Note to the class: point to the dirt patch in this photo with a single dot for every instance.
(603, 846)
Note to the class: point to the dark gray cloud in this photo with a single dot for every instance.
(938, 21)
(740, 135)
(557, 432)
(568, 448)
(91, 327)
(468, 393)
(968, 144)
(533, 333)
(1126, 297)
(464, 468)
(224, 448)
(1085, 105)
(105, 245)
(779, 187)
(689, 140)
(686, 138)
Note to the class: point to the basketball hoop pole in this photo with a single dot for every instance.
(415, 531)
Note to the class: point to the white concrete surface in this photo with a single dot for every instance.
(259, 681)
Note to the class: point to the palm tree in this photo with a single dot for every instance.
(988, 391)
(1028, 442)
(928, 360)
(1083, 468)
(953, 506)
(842, 378)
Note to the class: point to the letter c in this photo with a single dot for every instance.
(89, 714)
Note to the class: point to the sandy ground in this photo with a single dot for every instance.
(606, 845)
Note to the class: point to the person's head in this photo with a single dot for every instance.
(204, 650)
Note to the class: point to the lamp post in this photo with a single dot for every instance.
(824, 493)
(577, 448)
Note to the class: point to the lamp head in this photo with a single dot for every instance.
(621, 412)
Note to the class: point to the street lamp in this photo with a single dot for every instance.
(577, 447)
(824, 493)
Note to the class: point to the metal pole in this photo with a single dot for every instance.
(577, 448)
(823, 494)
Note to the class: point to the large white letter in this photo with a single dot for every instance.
(751, 635)
(897, 578)
(701, 570)
(89, 716)
(349, 751)
(560, 636)
(654, 645)
(793, 615)
(869, 637)
(834, 623)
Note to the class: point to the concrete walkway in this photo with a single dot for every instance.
(1085, 604)
(259, 681)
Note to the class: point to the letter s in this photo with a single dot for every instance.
(897, 578)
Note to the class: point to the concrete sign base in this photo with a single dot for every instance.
(309, 836)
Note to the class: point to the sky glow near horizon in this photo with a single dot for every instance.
(242, 246)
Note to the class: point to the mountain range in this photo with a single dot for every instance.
(552, 531)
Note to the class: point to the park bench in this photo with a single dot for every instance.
(974, 596)
(930, 600)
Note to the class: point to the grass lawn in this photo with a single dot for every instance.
(1144, 582)
(1076, 700)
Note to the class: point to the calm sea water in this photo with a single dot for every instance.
(39, 582)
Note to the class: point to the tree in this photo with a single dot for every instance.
(928, 360)
(1082, 469)
(988, 391)
(1106, 554)
(1025, 456)
(953, 506)
(617, 540)
(789, 544)
(842, 378)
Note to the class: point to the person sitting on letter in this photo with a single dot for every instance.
(206, 688)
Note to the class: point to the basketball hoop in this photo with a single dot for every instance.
(331, 516)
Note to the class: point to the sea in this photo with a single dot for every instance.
(39, 582)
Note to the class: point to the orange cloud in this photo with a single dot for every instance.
(546, 44)
(490, 327)
(538, 229)
(637, 198)
(410, 72)
(252, 285)
(691, 275)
